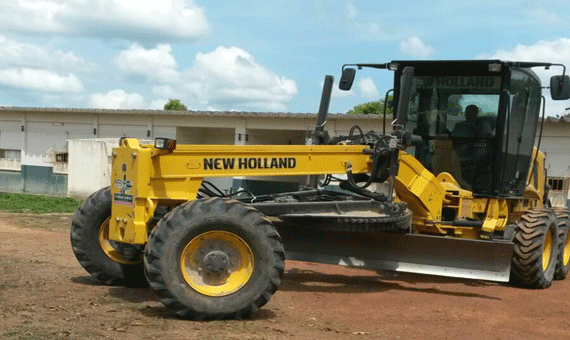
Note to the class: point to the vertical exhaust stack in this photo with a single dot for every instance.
(319, 136)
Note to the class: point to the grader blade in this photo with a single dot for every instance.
(432, 255)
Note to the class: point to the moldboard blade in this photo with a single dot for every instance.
(432, 255)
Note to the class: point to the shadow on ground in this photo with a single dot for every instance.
(296, 280)
(144, 295)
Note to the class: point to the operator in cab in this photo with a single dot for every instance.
(471, 127)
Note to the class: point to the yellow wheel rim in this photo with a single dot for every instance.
(108, 248)
(566, 251)
(216, 263)
(546, 252)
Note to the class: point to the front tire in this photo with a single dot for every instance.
(102, 258)
(536, 243)
(563, 259)
(213, 259)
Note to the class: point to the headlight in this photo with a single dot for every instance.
(165, 144)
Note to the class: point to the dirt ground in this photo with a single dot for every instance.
(45, 294)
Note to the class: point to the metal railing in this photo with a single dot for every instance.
(10, 164)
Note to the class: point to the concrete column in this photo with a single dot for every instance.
(150, 130)
(96, 126)
(240, 133)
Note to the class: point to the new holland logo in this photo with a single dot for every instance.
(250, 163)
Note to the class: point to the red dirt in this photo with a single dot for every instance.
(45, 294)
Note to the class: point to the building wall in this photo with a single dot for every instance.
(556, 144)
(42, 180)
(205, 135)
(49, 129)
(89, 165)
(11, 181)
(271, 184)
(11, 135)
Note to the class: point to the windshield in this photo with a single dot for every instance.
(456, 116)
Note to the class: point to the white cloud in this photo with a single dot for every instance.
(543, 16)
(165, 91)
(42, 80)
(364, 88)
(367, 88)
(158, 104)
(554, 51)
(368, 28)
(118, 99)
(156, 64)
(338, 93)
(231, 78)
(358, 25)
(144, 20)
(33, 67)
(15, 53)
(228, 78)
(414, 47)
(351, 11)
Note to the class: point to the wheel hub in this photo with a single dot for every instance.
(216, 261)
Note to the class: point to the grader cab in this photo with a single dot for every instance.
(457, 188)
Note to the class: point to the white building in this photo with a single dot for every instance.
(34, 152)
(556, 143)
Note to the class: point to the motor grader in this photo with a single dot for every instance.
(429, 197)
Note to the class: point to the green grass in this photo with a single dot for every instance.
(36, 204)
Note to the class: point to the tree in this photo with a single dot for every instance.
(376, 107)
(174, 104)
(454, 107)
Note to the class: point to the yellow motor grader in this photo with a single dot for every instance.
(457, 188)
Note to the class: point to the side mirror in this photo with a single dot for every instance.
(347, 79)
(560, 87)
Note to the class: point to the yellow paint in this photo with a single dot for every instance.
(419, 188)
(237, 255)
(539, 157)
(546, 251)
(108, 248)
(162, 177)
(173, 177)
(497, 215)
(566, 251)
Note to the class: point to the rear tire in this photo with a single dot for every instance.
(214, 259)
(563, 258)
(536, 243)
(99, 256)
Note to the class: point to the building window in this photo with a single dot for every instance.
(61, 157)
(11, 155)
(558, 183)
(10, 159)
(58, 160)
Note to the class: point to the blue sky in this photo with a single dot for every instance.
(251, 55)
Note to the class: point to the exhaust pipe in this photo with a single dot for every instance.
(319, 137)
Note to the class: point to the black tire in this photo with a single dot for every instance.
(190, 227)
(536, 242)
(398, 224)
(563, 258)
(86, 226)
